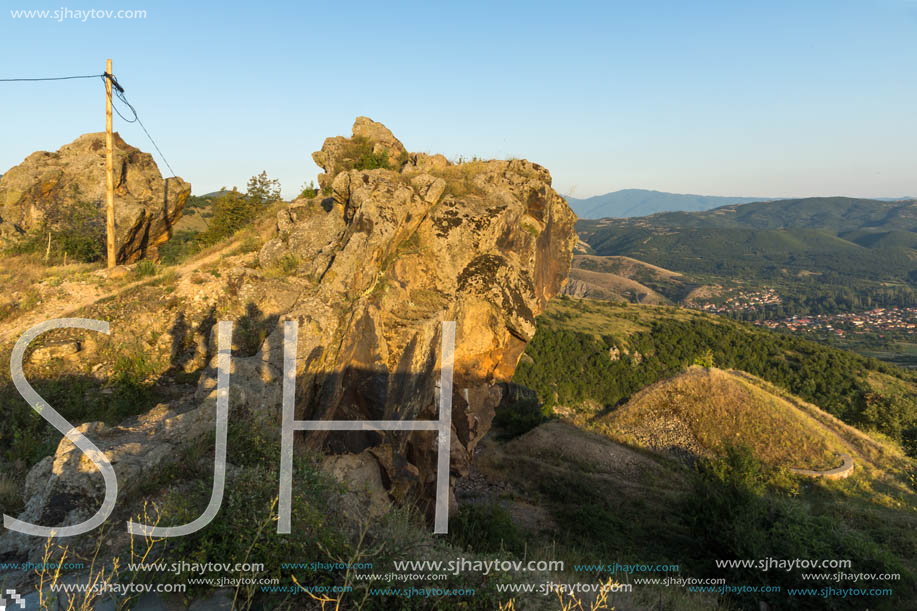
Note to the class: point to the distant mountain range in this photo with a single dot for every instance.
(628, 203)
(642, 202)
(853, 250)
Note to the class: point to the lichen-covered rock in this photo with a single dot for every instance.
(394, 253)
(40, 190)
(67, 489)
(369, 138)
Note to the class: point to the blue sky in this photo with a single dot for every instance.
(723, 98)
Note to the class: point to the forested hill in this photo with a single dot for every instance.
(842, 242)
(830, 214)
(600, 353)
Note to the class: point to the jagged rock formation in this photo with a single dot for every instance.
(393, 253)
(370, 271)
(39, 191)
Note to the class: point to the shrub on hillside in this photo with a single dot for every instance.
(732, 518)
(231, 212)
(75, 232)
(309, 191)
(262, 190)
(485, 529)
(519, 412)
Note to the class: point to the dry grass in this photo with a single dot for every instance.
(25, 282)
(600, 318)
(619, 286)
(20, 272)
(459, 177)
(702, 409)
(623, 266)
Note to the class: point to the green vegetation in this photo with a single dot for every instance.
(145, 269)
(738, 510)
(519, 412)
(10, 494)
(262, 190)
(232, 211)
(357, 154)
(606, 501)
(486, 529)
(329, 525)
(128, 391)
(226, 213)
(284, 266)
(572, 363)
(72, 233)
(246, 530)
(823, 255)
(309, 191)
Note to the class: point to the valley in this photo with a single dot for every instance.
(839, 270)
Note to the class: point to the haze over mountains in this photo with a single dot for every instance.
(642, 202)
(628, 203)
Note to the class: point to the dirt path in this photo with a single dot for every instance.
(81, 294)
(841, 472)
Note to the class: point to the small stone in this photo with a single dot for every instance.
(58, 350)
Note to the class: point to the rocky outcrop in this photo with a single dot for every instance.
(393, 253)
(38, 193)
(370, 272)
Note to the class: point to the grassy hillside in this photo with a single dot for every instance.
(643, 378)
(599, 354)
(830, 214)
(765, 254)
(701, 410)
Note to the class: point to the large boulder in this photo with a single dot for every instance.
(38, 193)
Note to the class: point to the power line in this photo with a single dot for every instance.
(51, 78)
(119, 92)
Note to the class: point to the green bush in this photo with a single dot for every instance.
(78, 398)
(519, 413)
(76, 232)
(263, 190)
(246, 529)
(183, 244)
(485, 529)
(732, 518)
(232, 211)
(145, 269)
(309, 191)
(373, 161)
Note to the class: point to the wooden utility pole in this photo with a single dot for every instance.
(109, 171)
